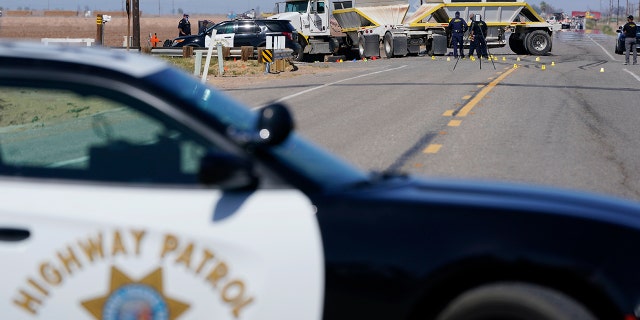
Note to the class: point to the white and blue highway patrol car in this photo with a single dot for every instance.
(130, 190)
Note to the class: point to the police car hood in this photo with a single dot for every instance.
(481, 194)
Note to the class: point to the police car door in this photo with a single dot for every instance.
(225, 33)
(100, 219)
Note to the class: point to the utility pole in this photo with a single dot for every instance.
(136, 23)
(128, 24)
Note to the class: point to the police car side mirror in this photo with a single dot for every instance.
(274, 125)
(226, 170)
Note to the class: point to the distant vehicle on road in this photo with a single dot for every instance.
(560, 18)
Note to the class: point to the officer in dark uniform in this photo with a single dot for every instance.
(457, 27)
(477, 36)
(184, 26)
(630, 29)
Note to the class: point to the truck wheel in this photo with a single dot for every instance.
(514, 301)
(361, 45)
(516, 44)
(388, 45)
(538, 43)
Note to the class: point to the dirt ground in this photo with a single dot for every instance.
(115, 32)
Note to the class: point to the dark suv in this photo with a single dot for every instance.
(620, 49)
(245, 32)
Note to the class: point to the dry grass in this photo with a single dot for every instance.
(114, 32)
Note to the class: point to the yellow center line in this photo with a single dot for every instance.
(467, 108)
(454, 123)
(432, 148)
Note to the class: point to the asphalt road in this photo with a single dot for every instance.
(568, 120)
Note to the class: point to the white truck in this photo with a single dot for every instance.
(366, 26)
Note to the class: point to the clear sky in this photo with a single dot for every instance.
(583, 5)
(237, 6)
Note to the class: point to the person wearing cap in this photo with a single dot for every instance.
(204, 26)
(630, 29)
(457, 27)
(184, 26)
(477, 40)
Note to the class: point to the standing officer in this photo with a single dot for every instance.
(477, 36)
(184, 26)
(458, 27)
(630, 29)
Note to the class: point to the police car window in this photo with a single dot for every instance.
(277, 26)
(53, 133)
(225, 28)
(248, 28)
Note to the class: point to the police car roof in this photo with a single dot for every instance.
(131, 63)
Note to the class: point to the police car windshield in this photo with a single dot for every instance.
(318, 168)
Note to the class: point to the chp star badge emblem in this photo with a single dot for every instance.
(128, 299)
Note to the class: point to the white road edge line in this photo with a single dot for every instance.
(614, 59)
(333, 83)
(633, 74)
(603, 49)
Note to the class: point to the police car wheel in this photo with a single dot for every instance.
(299, 55)
(514, 301)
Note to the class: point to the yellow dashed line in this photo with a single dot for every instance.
(467, 108)
(432, 148)
(454, 123)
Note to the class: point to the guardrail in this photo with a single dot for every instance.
(87, 41)
(226, 52)
(179, 52)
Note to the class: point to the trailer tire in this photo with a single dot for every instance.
(361, 45)
(514, 301)
(516, 44)
(538, 43)
(388, 45)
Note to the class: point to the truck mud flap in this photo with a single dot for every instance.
(370, 45)
(400, 45)
(439, 45)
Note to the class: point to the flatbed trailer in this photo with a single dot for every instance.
(426, 28)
